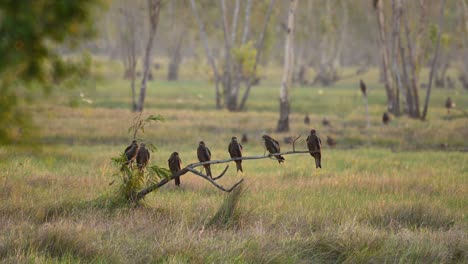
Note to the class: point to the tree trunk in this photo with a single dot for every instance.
(234, 22)
(245, 33)
(208, 53)
(176, 59)
(396, 9)
(154, 7)
(229, 89)
(283, 122)
(385, 61)
(434, 60)
(259, 48)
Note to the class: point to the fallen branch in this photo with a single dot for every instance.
(191, 168)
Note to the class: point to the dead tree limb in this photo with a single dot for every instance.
(191, 168)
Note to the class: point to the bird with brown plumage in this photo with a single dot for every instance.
(235, 151)
(306, 119)
(314, 144)
(142, 157)
(326, 122)
(244, 139)
(363, 87)
(331, 141)
(131, 152)
(273, 147)
(449, 104)
(386, 118)
(204, 154)
(174, 163)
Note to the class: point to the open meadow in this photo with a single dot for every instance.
(388, 194)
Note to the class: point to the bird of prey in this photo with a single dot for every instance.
(385, 118)
(449, 104)
(306, 119)
(235, 150)
(204, 154)
(315, 147)
(273, 147)
(244, 139)
(363, 88)
(131, 152)
(174, 165)
(142, 157)
(325, 122)
(331, 141)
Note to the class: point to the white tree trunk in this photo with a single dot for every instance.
(283, 122)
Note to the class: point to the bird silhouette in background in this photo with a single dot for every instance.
(174, 165)
(306, 119)
(235, 150)
(273, 147)
(131, 152)
(204, 154)
(326, 122)
(244, 139)
(449, 104)
(288, 140)
(363, 88)
(142, 157)
(315, 147)
(385, 118)
(331, 141)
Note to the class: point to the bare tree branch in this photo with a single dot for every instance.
(191, 168)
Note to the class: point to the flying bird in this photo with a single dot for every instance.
(142, 157)
(244, 139)
(204, 154)
(331, 141)
(174, 165)
(363, 88)
(315, 147)
(131, 152)
(306, 119)
(385, 118)
(449, 104)
(273, 147)
(235, 150)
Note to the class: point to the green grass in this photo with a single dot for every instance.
(385, 195)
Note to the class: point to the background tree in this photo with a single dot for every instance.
(30, 35)
(284, 107)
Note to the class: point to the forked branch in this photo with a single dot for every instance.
(191, 168)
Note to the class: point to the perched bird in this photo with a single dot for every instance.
(449, 104)
(142, 157)
(131, 152)
(273, 147)
(363, 88)
(326, 122)
(331, 141)
(315, 147)
(174, 165)
(235, 150)
(385, 118)
(306, 119)
(244, 139)
(204, 154)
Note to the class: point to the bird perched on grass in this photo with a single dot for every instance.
(235, 150)
(331, 141)
(449, 104)
(204, 154)
(363, 88)
(131, 152)
(385, 118)
(142, 157)
(315, 147)
(306, 119)
(174, 165)
(326, 122)
(244, 139)
(273, 147)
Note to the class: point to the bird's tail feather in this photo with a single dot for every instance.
(208, 170)
(280, 159)
(239, 166)
(318, 163)
(177, 181)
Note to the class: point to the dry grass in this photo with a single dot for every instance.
(388, 194)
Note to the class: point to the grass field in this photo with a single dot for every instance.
(388, 194)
